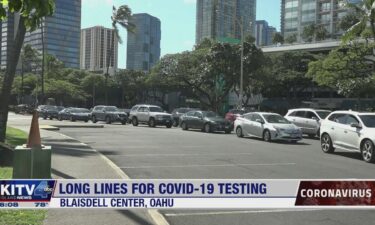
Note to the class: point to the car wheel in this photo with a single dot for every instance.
(267, 136)
(169, 125)
(184, 126)
(326, 144)
(175, 123)
(207, 128)
(72, 119)
(228, 131)
(94, 119)
(60, 118)
(367, 150)
(51, 118)
(239, 132)
(108, 120)
(86, 121)
(123, 122)
(135, 121)
(151, 122)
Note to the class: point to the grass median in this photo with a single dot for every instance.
(19, 217)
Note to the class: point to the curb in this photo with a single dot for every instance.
(50, 128)
(155, 215)
(78, 126)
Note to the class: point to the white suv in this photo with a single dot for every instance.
(351, 131)
(151, 115)
(307, 119)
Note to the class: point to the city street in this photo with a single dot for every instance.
(143, 152)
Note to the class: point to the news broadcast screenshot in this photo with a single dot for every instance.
(187, 112)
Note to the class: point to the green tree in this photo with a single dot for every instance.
(308, 33)
(348, 69)
(289, 73)
(278, 38)
(291, 38)
(122, 17)
(365, 15)
(91, 83)
(30, 12)
(64, 92)
(133, 85)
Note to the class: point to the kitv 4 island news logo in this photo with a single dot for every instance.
(31, 193)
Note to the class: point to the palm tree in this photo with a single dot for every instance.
(365, 13)
(120, 16)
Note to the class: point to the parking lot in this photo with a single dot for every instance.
(143, 152)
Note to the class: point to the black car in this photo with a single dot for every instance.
(206, 121)
(48, 111)
(177, 113)
(109, 114)
(74, 114)
(23, 108)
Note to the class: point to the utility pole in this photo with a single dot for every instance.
(42, 29)
(242, 59)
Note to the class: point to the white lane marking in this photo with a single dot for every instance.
(182, 154)
(238, 212)
(213, 165)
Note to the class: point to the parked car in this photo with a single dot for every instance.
(308, 120)
(350, 131)
(234, 113)
(74, 114)
(109, 114)
(133, 112)
(48, 111)
(206, 121)
(23, 108)
(177, 113)
(151, 115)
(269, 126)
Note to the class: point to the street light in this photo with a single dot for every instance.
(240, 23)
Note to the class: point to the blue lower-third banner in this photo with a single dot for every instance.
(187, 194)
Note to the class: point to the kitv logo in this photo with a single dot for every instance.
(16, 189)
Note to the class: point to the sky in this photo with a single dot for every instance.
(177, 20)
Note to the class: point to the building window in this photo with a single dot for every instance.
(145, 65)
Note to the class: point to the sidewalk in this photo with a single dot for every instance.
(74, 160)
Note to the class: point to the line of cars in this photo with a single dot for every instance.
(346, 130)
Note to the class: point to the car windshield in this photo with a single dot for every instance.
(183, 110)
(238, 111)
(210, 114)
(323, 114)
(111, 109)
(273, 118)
(368, 120)
(155, 109)
(80, 111)
(50, 107)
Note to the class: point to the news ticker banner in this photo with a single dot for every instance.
(186, 194)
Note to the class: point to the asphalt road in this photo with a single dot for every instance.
(143, 152)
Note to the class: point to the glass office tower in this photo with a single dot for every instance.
(220, 19)
(62, 33)
(143, 47)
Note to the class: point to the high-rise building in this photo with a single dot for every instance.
(263, 33)
(143, 47)
(297, 14)
(221, 19)
(61, 33)
(271, 32)
(98, 49)
(8, 31)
